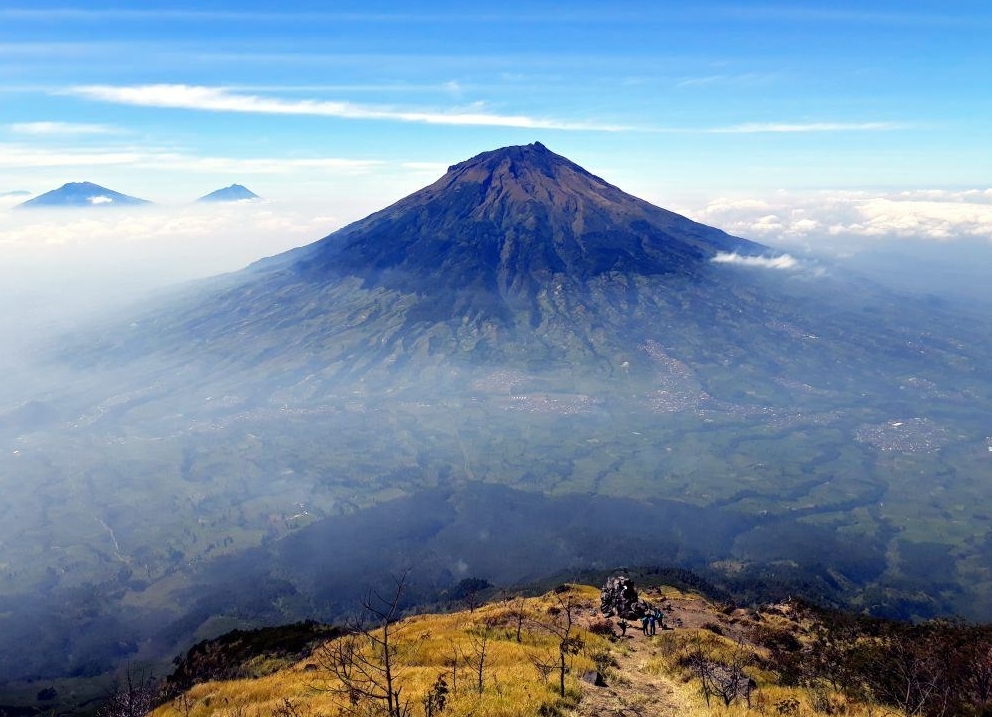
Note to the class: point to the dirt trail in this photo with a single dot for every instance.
(631, 691)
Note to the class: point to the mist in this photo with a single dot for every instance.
(929, 243)
(954, 270)
(62, 268)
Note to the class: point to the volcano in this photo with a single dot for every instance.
(82, 194)
(516, 258)
(517, 254)
(234, 193)
(510, 222)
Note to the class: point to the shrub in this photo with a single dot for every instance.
(601, 627)
(713, 627)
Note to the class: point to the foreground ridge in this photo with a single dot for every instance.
(558, 654)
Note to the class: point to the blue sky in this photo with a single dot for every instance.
(803, 125)
(673, 98)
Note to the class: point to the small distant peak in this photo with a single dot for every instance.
(233, 193)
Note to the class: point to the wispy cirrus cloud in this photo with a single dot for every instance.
(219, 99)
(27, 157)
(745, 79)
(61, 128)
(24, 157)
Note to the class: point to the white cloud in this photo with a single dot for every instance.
(839, 218)
(58, 265)
(21, 156)
(783, 261)
(24, 156)
(745, 79)
(60, 128)
(100, 200)
(438, 167)
(237, 233)
(218, 99)
(9, 200)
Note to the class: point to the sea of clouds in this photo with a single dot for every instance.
(842, 222)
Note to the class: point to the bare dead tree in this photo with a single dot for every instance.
(519, 614)
(453, 659)
(912, 680)
(363, 663)
(544, 667)
(133, 695)
(729, 679)
(977, 675)
(698, 662)
(721, 676)
(479, 639)
(561, 624)
(472, 599)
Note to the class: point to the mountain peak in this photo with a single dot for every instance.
(508, 223)
(534, 152)
(82, 194)
(531, 166)
(233, 193)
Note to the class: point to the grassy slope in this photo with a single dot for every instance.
(644, 675)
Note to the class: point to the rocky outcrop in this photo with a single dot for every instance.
(619, 597)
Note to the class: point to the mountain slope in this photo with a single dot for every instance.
(82, 194)
(505, 658)
(510, 219)
(516, 252)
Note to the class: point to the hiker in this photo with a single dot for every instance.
(644, 625)
(623, 624)
(651, 622)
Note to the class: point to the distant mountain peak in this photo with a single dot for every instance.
(233, 193)
(82, 194)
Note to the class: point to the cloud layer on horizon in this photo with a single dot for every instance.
(838, 221)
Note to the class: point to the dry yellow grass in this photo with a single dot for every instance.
(645, 675)
(429, 646)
